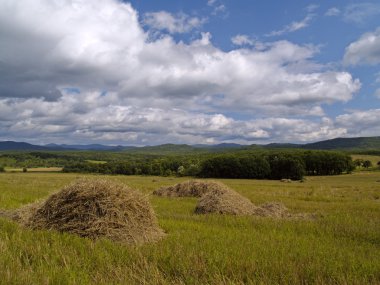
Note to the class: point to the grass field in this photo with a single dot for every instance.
(96, 161)
(342, 246)
(374, 159)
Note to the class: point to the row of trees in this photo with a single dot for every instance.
(159, 167)
(266, 165)
(293, 165)
(37, 159)
(327, 163)
(258, 164)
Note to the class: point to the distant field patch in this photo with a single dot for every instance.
(96, 161)
(374, 159)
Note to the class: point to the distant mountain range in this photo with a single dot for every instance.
(10, 145)
(360, 143)
(84, 147)
(347, 143)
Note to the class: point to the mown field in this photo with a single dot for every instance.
(374, 159)
(341, 246)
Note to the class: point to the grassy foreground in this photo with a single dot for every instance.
(340, 247)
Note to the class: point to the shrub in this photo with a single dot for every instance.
(367, 163)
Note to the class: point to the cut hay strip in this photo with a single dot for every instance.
(191, 188)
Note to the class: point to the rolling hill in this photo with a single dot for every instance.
(11, 145)
(360, 143)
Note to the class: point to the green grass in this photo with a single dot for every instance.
(342, 246)
(96, 161)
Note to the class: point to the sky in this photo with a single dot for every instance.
(146, 72)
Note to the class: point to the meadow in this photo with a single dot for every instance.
(340, 246)
(374, 159)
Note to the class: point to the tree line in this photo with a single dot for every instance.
(262, 165)
(278, 165)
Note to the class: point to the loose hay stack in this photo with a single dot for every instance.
(273, 209)
(25, 213)
(224, 201)
(191, 188)
(215, 197)
(98, 208)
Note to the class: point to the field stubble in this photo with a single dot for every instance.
(340, 247)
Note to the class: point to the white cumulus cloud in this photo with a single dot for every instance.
(180, 23)
(87, 70)
(366, 50)
(360, 122)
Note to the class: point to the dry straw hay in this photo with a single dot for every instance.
(191, 188)
(24, 214)
(95, 208)
(226, 201)
(5, 214)
(215, 197)
(274, 210)
(21, 215)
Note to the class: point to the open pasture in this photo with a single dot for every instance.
(374, 159)
(340, 246)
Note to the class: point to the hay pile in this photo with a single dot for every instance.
(24, 214)
(4, 214)
(224, 201)
(191, 188)
(95, 208)
(215, 197)
(274, 210)
(21, 215)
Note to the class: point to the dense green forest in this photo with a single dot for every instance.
(255, 164)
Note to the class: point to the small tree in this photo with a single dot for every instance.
(367, 164)
(358, 162)
(168, 172)
(24, 169)
(181, 171)
(192, 170)
(2, 169)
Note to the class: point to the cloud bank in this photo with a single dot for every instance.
(85, 71)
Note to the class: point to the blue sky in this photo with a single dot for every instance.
(150, 72)
(332, 32)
